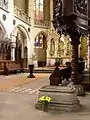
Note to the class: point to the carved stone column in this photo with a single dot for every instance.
(75, 42)
(74, 75)
(75, 36)
(13, 54)
(13, 46)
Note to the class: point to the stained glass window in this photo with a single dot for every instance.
(38, 9)
(40, 41)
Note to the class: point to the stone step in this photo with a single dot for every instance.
(40, 70)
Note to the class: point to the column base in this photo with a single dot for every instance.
(79, 89)
(31, 76)
(86, 80)
(57, 107)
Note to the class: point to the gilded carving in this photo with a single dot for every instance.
(52, 47)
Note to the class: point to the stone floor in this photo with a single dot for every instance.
(18, 105)
(18, 79)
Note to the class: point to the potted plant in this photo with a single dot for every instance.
(45, 100)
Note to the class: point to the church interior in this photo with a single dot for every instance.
(44, 43)
(27, 36)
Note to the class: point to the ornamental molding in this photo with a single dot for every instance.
(52, 47)
(52, 34)
(69, 24)
(81, 6)
(58, 9)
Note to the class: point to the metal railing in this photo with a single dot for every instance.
(22, 15)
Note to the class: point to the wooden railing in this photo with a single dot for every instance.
(12, 66)
(21, 15)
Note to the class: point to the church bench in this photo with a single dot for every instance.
(58, 75)
(8, 66)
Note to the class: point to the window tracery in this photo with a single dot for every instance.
(38, 9)
(39, 41)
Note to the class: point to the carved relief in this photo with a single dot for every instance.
(52, 34)
(52, 47)
(81, 6)
(61, 48)
(58, 9)
(57, 14)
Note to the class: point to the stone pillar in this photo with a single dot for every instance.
(46, 10)
(79, 47)
(17, 48)
(13, 54)
(13, 46)
(11, 6)
(74, 63)
(31, 43)
(75, 76)
(86, 75)
(75, 42)
(51, 10)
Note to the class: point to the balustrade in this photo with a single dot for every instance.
(21, 14)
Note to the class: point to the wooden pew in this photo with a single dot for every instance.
(55, 79)
(58, 75)
(8, 66)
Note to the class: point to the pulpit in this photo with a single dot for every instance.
(72, 17)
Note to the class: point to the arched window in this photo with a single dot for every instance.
(42, 12)
(39, 41)
(38, 9)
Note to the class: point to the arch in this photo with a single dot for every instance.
(3, 29)
(42, 32)
(4, 44)
(21, 38)
(40, 40)
(40, 48)
(24, 30)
